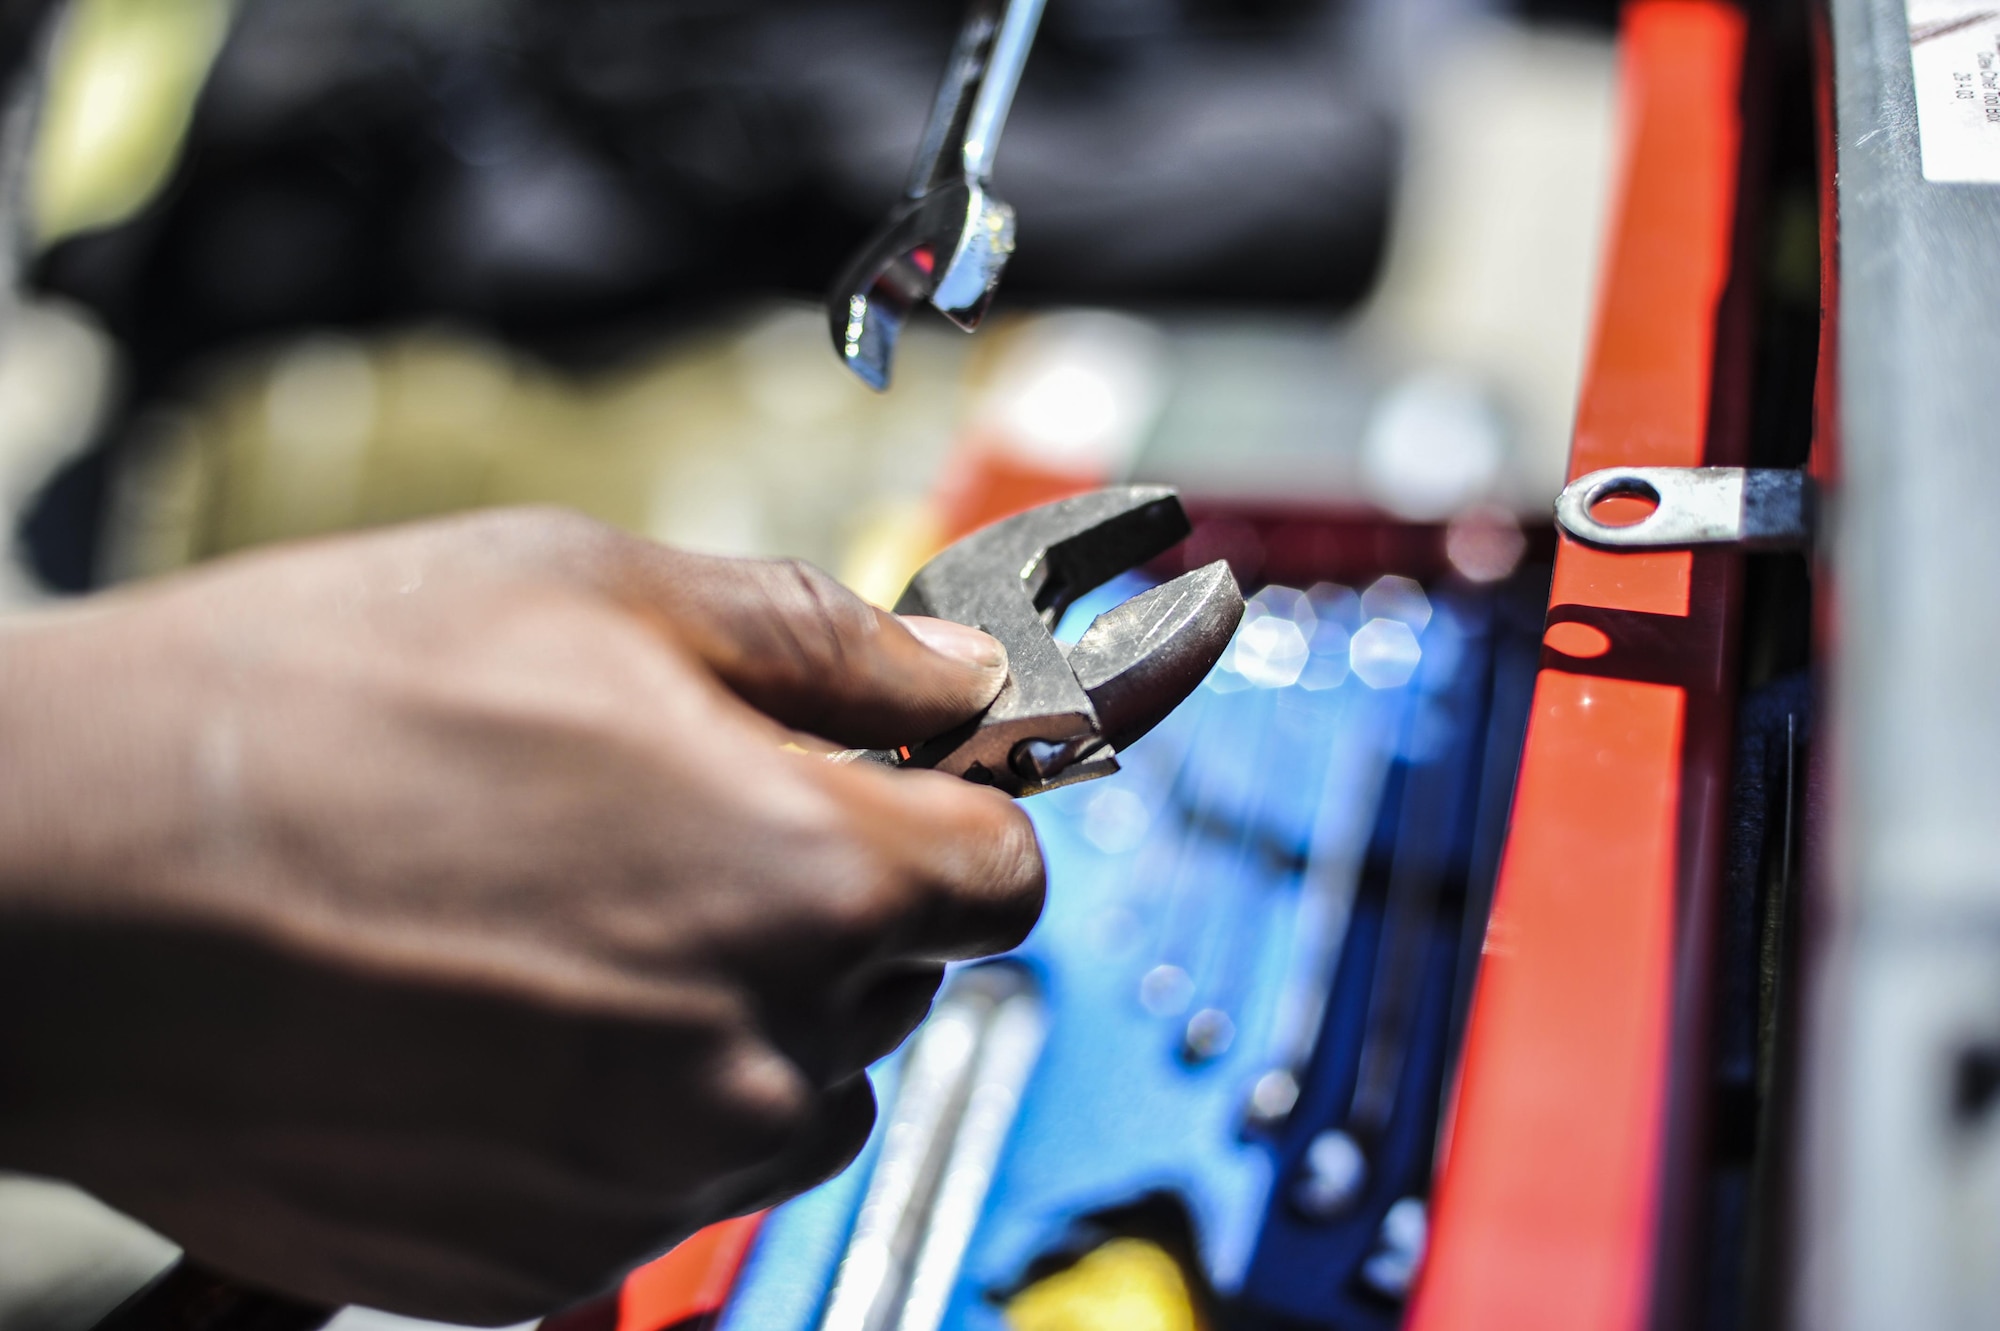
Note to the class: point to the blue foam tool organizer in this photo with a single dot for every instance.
(1261, 820)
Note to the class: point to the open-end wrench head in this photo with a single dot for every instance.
(948, 247)
(949, 241)
(1051, 555)
(1014, 579)
(1138, 661)
(965, 285)
(868, 318)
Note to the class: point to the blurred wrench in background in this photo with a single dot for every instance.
(948, 241)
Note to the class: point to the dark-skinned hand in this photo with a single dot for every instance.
(446, 918)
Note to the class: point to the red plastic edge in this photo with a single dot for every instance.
(690, 1284)
(1549, 1206)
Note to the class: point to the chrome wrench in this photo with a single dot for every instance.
(949, 239)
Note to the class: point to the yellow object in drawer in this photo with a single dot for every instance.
(1125, 1285)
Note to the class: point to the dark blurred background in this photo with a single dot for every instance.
(556, 169)
(585, 180)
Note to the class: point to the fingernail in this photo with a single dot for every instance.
(960, 642)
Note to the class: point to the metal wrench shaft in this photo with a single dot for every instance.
(976, 94)
(949, 240)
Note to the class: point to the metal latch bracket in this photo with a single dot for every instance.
(1744, 508)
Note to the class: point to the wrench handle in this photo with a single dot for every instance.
(976, 93)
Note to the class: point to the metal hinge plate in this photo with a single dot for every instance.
(1743, 508)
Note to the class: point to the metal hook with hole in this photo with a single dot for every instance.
(1745, 508)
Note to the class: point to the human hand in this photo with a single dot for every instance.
(439, 919)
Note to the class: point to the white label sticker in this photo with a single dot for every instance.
(1955, 55)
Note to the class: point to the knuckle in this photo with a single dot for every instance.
(880, 904)
(814, 586)
(766, 1103)
(863, 889)
(824, 623)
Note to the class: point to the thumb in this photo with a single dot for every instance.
(800, 647)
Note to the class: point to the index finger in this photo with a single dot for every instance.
(797, 645)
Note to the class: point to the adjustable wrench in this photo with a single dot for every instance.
(949, 238)
(1063, 714)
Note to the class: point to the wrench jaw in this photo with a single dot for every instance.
(966, 285)
(950, 239)
(874, 296)
(948, 248)
(1062, 718)
(866, 325)
(1137, 661)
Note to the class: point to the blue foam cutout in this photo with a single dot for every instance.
(1239, 788)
